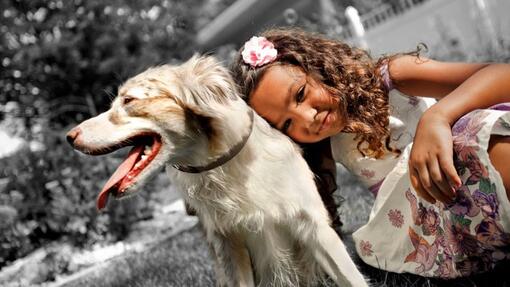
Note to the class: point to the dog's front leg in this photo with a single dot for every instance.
(233, 264)
(333, 257)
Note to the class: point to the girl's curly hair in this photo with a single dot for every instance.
(347, 72)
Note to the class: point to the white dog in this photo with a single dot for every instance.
(253, 192)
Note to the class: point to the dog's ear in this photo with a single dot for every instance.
(202, 124)
(207, 79)
(198, 122)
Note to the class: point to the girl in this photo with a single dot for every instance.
(438, 169)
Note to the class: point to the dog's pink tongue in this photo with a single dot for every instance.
(118, 175)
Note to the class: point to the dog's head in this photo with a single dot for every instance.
(183, 114)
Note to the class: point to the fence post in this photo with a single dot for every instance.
(485, 16)
(357, 26)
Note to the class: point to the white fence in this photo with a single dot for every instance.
(467, 24)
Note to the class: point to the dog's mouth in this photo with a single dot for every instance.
(146, 148)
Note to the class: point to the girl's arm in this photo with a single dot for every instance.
(460, 88)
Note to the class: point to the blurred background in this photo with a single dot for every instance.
(62, 61)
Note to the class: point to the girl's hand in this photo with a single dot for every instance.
(431, 168)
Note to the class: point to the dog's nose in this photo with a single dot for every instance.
(72, 135)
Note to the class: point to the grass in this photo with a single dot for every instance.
(184, 261)
(497, 278)
(181, 261)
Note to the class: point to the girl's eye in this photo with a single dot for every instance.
(286, 126)
(300, 96)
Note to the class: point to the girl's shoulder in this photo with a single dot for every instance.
(404, 114)
(385, 74)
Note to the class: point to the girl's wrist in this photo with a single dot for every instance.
(437, 115)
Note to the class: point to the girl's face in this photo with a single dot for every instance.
(296, 104)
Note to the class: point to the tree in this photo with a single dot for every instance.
(62, 61)
(62, 58)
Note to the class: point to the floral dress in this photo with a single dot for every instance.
(405, 233)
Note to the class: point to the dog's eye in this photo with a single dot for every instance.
(127, 100)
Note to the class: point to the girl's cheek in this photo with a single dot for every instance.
(334, 100)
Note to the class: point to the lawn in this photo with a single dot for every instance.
(180, 261)
(183, 259)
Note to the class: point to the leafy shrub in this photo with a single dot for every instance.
(50, 194)
(60, 62)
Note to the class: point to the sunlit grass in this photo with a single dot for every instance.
(180, 261)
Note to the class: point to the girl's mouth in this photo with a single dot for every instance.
(326, 122)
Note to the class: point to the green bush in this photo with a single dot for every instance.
(51, 194)
(73, 54)
(61, 63)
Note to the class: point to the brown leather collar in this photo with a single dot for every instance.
(222, 159)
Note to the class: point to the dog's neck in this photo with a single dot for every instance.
(227, 140)
(223, 158)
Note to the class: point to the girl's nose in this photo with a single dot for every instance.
(305, 114)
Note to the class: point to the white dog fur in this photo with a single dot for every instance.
(263, 217)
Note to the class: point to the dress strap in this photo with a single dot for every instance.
(385, 74)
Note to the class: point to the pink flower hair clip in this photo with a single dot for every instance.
(258, 51)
